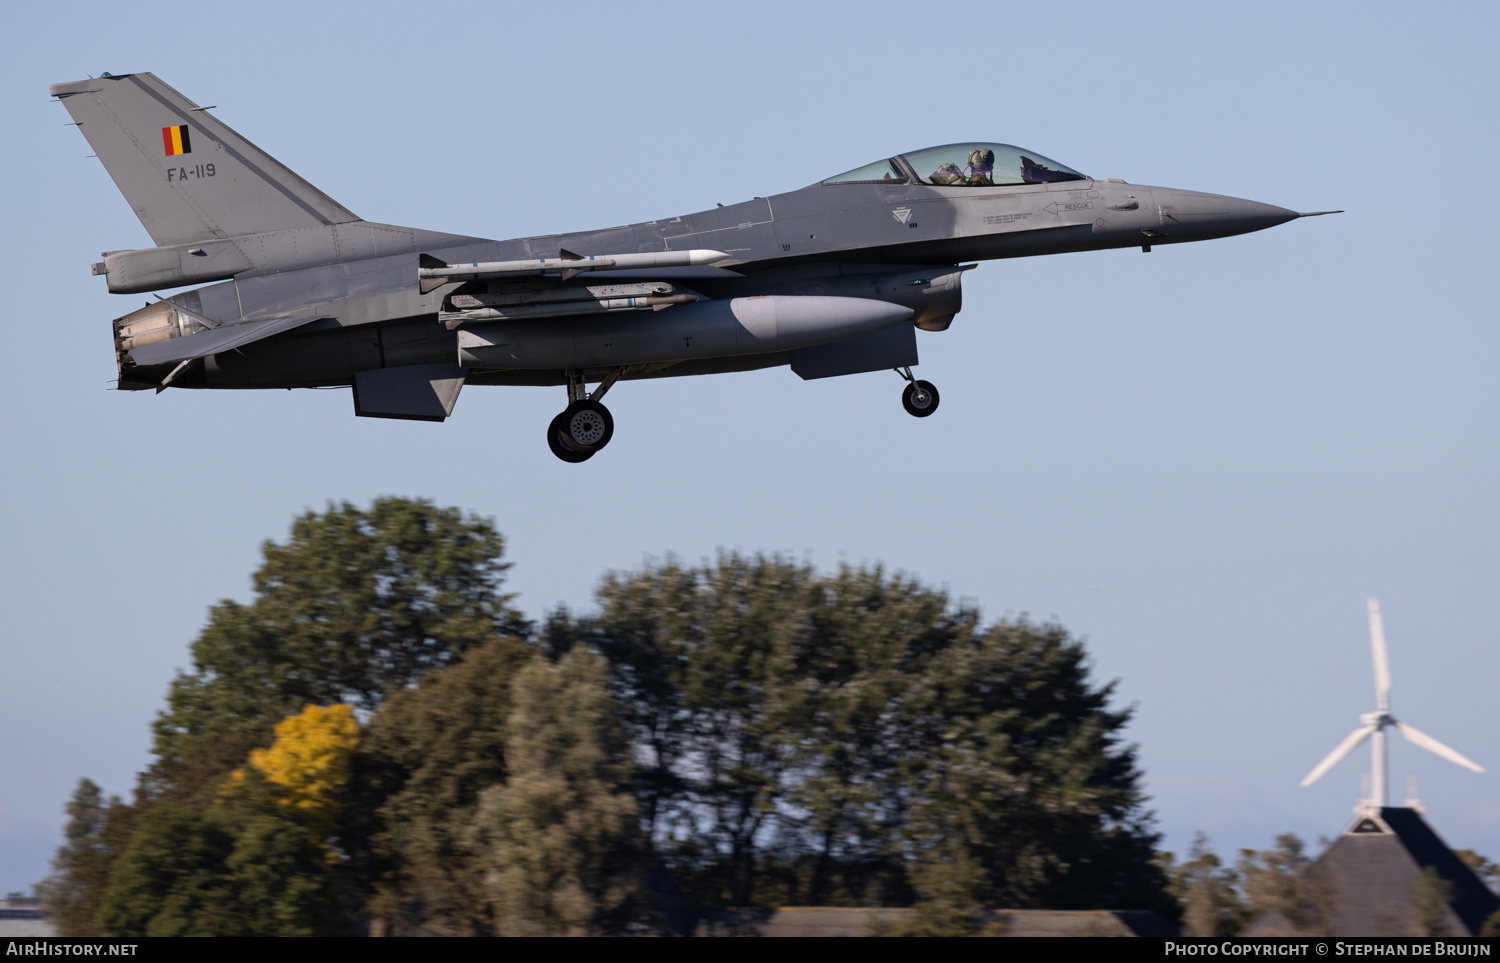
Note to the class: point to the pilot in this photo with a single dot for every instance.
(979, 173)
(948, 174)
(981, 168)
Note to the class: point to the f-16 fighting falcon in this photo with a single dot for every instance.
(833, 279)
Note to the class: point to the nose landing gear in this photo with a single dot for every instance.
(920, 398)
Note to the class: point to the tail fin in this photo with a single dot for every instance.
(187, 176)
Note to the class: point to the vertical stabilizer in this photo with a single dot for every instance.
(187, 176)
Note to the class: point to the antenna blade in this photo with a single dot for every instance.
(1432, 745)
(1343, 749)
(1382, 665)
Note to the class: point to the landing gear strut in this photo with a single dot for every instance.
(585, 426)
(920, 397)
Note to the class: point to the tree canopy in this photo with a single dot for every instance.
(560, 836)
(828, 738)
(378, 741)
(356, 605)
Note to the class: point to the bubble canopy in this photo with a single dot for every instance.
(963, 165)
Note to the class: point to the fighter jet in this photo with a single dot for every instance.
(834, 279)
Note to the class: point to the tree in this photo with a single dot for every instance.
(699, 659)
(1486, 869)
(309, 764)
(356, 605)
(953, 886)
(1488, 872)
(243, 868)
(772, 734)
(1286, 881)
(1431, 895)
(841, 738)
(66, 894)
(255, 861)
(495, 798)
(96, 832)
(425, 759)
(1015, 763)
(1208, 891)
(285, 882)
(352, 609)
(560, 836)
(871, 637)
(170, 881)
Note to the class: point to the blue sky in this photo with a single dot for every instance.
(1203, 459)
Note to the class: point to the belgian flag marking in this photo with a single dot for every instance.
(175, 140)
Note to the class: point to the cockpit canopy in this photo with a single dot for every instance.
(963, 165)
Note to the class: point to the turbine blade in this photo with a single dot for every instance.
(1343, 749)
(1432, 745)
(1382, 665)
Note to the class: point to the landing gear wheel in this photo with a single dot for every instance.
(920, 399)
(554, 441)
(587, 426)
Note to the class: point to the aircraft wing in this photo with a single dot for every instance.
(204, 343)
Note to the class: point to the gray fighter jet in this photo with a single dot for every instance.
(832, 279)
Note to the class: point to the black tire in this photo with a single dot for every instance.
(920, 399)
(585, 426)
(554, 442)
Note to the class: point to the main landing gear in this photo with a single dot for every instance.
(585, 426)
(920, 397)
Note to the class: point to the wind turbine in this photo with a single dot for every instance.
(1375, 723)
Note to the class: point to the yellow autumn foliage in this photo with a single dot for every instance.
(309, 761)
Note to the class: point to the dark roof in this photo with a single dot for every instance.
(1146, 923)
(1368, 879)
(1472, 900)
(862, 921)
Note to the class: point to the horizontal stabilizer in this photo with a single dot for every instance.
(205, 343)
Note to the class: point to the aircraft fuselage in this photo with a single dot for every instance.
(842, 240)
(835, 278)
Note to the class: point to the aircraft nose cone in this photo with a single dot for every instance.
(1192, 214)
